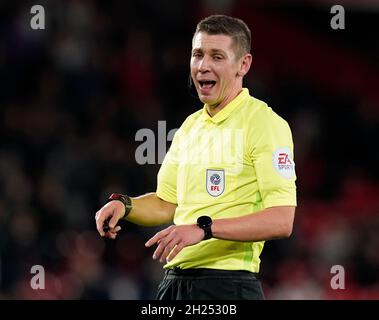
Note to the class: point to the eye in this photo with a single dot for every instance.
(197, 55)
(217, 57)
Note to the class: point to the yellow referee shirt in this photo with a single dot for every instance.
(235, 163)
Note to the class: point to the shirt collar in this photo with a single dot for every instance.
(225, 112)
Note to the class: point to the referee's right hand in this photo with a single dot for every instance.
(110, 213)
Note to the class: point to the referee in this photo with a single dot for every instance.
(227, 183)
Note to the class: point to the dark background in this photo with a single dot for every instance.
(73, 96)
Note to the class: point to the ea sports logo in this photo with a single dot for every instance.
(284, 160)
(283, 163)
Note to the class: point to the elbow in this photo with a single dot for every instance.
(287, 224)
(286, 231)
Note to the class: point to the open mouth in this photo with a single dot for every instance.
(207, 84)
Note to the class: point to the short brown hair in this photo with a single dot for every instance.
(233, 27)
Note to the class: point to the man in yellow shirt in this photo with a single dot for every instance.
(227, 182)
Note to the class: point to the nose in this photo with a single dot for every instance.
(204, 64)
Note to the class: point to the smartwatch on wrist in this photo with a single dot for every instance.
(124, 199)
(205, 223)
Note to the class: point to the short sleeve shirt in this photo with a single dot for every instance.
(238, 162)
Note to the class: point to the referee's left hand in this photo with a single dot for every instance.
(173, 239)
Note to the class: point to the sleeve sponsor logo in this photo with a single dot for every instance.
(283, 163)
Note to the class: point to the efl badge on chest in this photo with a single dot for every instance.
(215, 182)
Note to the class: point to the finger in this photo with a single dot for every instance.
(97, 216)
(107, 235)
(158, 236)
(174, 252)
(168, 249)
(113, 231)
(110, 235)
(162, 246)
(101, 216)
(114, 220)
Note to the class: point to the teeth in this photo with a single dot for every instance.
(209, 82)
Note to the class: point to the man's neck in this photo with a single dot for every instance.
(214, 109)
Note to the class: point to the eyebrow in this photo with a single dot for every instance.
(213, 51)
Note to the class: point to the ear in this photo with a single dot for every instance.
(244, 65)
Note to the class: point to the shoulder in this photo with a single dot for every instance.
(260, 114)
(191, 120)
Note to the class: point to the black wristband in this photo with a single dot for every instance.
(124, 199)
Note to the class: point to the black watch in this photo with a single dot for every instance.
(124, 199)
(205, 223)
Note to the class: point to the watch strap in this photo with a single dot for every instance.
(125, 199)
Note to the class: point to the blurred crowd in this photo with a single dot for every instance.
(74, 95)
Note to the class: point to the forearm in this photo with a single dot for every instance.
(149, 210)
(271, 223)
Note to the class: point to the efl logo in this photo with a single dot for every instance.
(283, 163)
(215, 182)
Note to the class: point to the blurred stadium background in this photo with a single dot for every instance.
(74, 95)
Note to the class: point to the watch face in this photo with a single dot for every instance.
(115, 196)
(204, 221)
